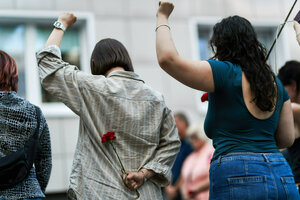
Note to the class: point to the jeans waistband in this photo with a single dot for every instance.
(266, 157)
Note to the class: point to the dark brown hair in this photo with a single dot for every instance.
(8, 72)
(107, 54)
(290, 72)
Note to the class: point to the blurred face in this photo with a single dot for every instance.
(181, 126)
(292, 91)
(196, 142)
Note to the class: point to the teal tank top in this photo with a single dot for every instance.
(229, 123)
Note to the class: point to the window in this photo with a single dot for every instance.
(265, 36)
(70, 51)
(201, 31)
(12, 41)
(24, 33)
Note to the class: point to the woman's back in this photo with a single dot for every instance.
(252, 131)
(17, 123)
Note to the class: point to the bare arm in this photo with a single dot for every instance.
(195, 74)
(296, 114)
(56, 36)
(285, 134)
(202, 186)
(59, 78)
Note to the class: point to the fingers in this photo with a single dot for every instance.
(165, 9)
(125, 178)
(131, 180)
(68, 19)
(166, 3)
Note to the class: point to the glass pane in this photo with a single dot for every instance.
(70, 51)
(266, 37)
(204, 47)
(12, 41)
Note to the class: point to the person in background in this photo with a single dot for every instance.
(111, 99)
(182, 123)
(194, 177)
(249, 111)
(289, 74)
(18, 122)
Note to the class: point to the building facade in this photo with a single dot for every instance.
(26, 24)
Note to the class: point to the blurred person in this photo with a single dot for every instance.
(249, 113)
(112, 98)
(297, 30)
(289, 75)
(195, 170)
(18, 123)
(182, 123)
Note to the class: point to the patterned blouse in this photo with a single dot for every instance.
(17, 123)
(146, 133)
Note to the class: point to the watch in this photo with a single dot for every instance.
(59, 25)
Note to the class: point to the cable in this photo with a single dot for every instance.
(287, 17)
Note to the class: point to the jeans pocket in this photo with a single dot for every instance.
(290, 188)
(248, 188)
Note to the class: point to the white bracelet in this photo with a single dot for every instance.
(161, 26)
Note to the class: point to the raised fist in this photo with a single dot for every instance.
(68, 19)
(165, 9)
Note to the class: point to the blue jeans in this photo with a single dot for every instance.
(251, 176)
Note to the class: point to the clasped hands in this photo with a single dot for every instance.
(133, 180)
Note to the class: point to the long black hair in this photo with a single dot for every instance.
(235, 40)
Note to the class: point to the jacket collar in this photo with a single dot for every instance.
(125, 74)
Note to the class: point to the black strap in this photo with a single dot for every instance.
(32, 144)
(38, 118)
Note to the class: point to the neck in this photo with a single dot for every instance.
(114, 69)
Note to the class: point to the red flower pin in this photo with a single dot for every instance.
(204, 97)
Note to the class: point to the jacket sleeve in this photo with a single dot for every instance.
(167, 150)
(59, 78)
(43, 160)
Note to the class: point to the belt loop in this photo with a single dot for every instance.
(265, 157)
(219, 160)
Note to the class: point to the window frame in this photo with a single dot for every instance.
(31, 19)
(209, 22)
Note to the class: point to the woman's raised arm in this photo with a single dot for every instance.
(195, 74)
